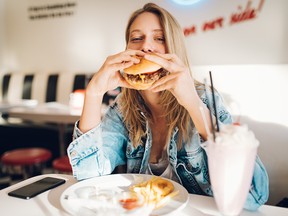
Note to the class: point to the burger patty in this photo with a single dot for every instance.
(147, 77)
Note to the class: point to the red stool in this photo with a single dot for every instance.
(28, 159)
(62, 164)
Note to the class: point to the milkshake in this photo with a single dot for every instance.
(231, 161)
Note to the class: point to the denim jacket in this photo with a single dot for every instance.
(103, 148)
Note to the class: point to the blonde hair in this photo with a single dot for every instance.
(131, 103)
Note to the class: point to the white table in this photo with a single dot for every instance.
(48, 203)
(5, 105)
(48, 113)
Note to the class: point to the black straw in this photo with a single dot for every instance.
(214, 102)
(210, 109)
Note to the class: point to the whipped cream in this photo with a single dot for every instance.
(236, 135)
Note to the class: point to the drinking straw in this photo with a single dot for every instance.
(214, 101)
(210, 109)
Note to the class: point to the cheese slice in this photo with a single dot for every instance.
(142, 76)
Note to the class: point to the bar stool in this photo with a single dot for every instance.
(62, 165)
(30, 160)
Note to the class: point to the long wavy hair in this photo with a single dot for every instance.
(133, 106)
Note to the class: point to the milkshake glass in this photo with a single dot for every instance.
(231, 161)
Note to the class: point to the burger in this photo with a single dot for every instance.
(142, 75)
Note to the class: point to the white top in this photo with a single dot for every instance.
(163, 168)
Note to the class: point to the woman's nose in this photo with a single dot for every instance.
(147, 47)
(147, 50)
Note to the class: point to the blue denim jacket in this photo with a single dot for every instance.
(103, 148)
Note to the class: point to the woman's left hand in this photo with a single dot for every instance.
(179, 80)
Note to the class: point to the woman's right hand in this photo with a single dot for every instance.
(109, 77)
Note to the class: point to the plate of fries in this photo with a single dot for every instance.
(124, 194)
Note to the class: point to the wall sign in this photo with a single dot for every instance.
(240, 15)
(51, 10)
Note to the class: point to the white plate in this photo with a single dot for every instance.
(116, 183)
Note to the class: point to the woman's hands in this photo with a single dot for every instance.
(181, 84)
(179, 80)
(109, 77)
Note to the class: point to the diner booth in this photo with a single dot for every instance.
(50, 49)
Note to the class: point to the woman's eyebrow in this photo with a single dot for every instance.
(158, 30)
(135, 30)
(138, 30)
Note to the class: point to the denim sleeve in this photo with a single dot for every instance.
(223, 116)
(98, 151)
(259, 190)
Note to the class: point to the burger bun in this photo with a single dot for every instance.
(144, 66)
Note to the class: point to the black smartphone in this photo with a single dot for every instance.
(35, 188)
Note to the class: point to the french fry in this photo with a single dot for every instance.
(153, 196)
(163, 201)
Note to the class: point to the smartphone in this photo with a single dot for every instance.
(35, 188)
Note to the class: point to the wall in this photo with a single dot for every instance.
(82, 41)
(248, 59)
(73, 43)
(261, 40)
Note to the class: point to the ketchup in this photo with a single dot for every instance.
(129, 203)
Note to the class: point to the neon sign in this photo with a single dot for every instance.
(186, 2)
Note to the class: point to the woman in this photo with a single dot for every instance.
(155, 131)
